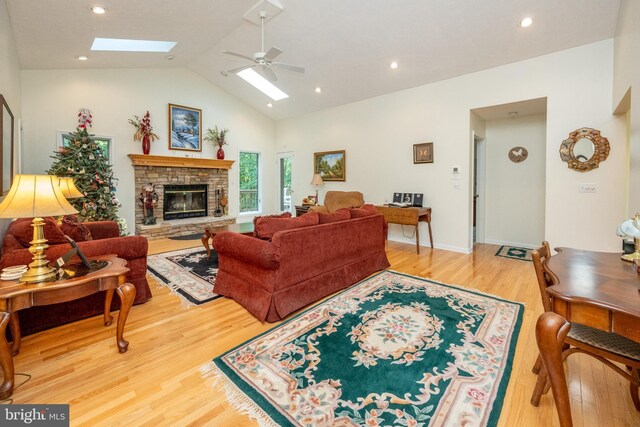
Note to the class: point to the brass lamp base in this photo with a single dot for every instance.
(634, 256)
(39, 269)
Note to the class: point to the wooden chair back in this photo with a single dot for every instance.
(545, 276)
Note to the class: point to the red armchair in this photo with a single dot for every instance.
(105, 240)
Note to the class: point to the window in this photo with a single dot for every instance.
(105, 143)
(249, 182)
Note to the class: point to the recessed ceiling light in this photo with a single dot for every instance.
(262, 84)
(98, 10)
(526, 22)
(269, 105)
(318, 89)
(394, 65)
(125, 45)
(83, 57)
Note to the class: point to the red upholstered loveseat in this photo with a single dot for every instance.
(106, 240)
(299, 266)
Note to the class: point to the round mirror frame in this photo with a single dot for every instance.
(600, 149)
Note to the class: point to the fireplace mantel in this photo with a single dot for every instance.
(179, 162)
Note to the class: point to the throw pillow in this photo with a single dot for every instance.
(75, 229)
(365, 210)
(339, 215)
(255, 219)
(266, 227)
(23, 232)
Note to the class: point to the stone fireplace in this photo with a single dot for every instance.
(186, 189)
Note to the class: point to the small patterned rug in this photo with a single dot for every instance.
(523, 254)
(392, 350)
(187, 273)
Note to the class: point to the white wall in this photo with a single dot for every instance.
(9, 82)
(514, 192)
(378, 135)
(51, 100)
(627, 76)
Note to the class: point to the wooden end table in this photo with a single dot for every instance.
(245, 228)
(15, 296)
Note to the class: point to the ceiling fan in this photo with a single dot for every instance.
(263, 60)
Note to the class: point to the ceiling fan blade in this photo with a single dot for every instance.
(272, 53)
(270, 75)
(227, 52)
(288, 67)
(237, 70)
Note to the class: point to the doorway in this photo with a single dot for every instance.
(285, 191)
(478, 189)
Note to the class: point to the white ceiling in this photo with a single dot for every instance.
(346, 46)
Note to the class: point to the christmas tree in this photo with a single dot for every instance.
(83, 160)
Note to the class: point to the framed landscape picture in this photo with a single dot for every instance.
(423, 153)
(331, 165)
(185, 128)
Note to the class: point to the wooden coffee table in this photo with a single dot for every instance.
(245, 228)
(15, 296)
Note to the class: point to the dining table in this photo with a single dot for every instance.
(596, 289)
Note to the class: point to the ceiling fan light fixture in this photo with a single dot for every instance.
(262, 84)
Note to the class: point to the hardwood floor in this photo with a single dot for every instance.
(157, 382)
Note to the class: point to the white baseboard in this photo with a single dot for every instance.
(436, 246)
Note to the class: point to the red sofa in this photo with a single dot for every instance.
(105, 240)
(299, 266)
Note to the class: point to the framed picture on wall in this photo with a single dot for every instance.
(331, 165)
(6, 133)
(185, 128)
(423, 153)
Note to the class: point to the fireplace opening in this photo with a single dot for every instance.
(184, 201)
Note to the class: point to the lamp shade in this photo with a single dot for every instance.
(630, 228)
(35, 196)
(68, 188)
(317, 179)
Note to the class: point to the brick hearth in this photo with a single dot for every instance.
(154, 169)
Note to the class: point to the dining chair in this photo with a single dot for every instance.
(607, 347)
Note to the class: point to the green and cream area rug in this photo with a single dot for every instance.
(393, 350)
(523, 254)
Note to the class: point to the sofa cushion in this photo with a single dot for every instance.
(256, 218)
(23, 232)
(339, 215)
(266, 227)
(75, 229)
(365, 210)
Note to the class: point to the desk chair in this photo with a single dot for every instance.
(604, 346)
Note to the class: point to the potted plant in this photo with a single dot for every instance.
(217, 137)
(144, 132)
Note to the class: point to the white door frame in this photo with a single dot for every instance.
(478, 175)
(279, 156)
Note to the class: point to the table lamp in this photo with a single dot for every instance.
(317, 181)
(69, 190)
(631, 228)
(36, 196)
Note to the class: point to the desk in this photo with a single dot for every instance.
(596, 289)
(15, 296)
(408, 216)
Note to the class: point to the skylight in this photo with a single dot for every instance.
(124, 45)
(262, 84)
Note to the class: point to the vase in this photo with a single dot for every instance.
(146, 144)
(220, 153)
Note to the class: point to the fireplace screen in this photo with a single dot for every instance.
(184, 201)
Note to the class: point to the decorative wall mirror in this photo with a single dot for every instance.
(584, 149)
(6, 155)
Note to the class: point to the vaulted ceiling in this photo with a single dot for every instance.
(346, 46)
